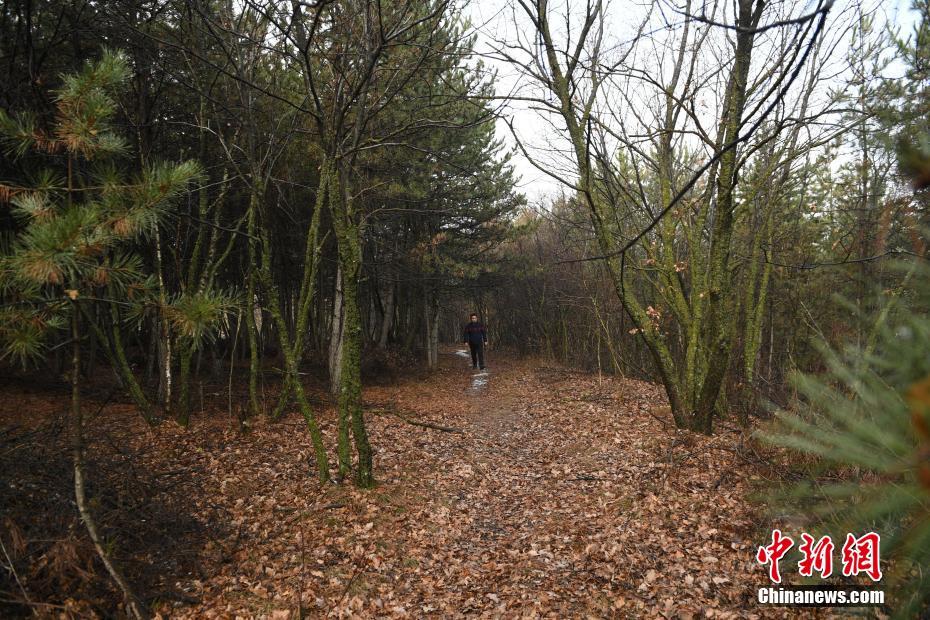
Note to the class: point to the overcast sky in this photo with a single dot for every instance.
(493, 20)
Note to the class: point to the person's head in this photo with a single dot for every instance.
(474, 317)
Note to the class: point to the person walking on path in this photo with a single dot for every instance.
(476, 337)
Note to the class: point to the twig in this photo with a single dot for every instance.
(14, 573)
(33, 604)
(358, 572)
(438, 427)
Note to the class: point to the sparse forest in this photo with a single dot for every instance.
(241, 243)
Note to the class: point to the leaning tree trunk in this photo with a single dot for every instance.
(134, 606)
(336, 361)
(116, 354)
(290, 358)
(127, 377)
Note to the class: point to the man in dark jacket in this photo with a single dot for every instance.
(475, 336)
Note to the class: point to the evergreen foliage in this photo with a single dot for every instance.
(866, 421)
(79, 221)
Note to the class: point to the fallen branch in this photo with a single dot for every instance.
(438, 427)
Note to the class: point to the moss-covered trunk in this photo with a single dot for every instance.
(183, 413)
(291, 349)
(349, 243)
(721, 319)
(116, 354)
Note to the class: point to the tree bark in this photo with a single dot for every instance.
(336, 328)
(433, 336)
(134, 606)
(720, 320)
(348, 238)
(387, 319)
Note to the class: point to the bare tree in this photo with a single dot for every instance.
(673, 228)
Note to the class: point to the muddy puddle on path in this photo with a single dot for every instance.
(479, 379)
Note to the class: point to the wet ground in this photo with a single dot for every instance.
(479, 379)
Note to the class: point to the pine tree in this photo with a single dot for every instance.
(867, 421)
(73, 253)
(907, 108)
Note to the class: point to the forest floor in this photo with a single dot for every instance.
(550, 493)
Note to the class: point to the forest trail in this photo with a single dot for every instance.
(558, 495)
(555, 488)
(550, 493)
(219, 218)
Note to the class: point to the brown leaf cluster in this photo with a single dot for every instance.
(563, 495)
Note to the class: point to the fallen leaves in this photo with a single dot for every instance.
(559, 495)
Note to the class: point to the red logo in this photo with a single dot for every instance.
(817, 556)
(771, 554)
(859, 555)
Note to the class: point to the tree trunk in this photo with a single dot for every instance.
(127, 377)
(433, 340)
(164, 336)
(427, 329)
(134, 606)
(348, 237)
(116, 355)
(387, 319)
(251, 328)
(183, 415)
(336, 361)
(350, 390)
(336, 335)
(720, 319)
(291, 364)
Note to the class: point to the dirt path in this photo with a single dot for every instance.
(565, 501)
(561, 496)
(526, 525)
(556, 495)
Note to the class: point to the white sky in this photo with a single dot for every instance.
(493, 19)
